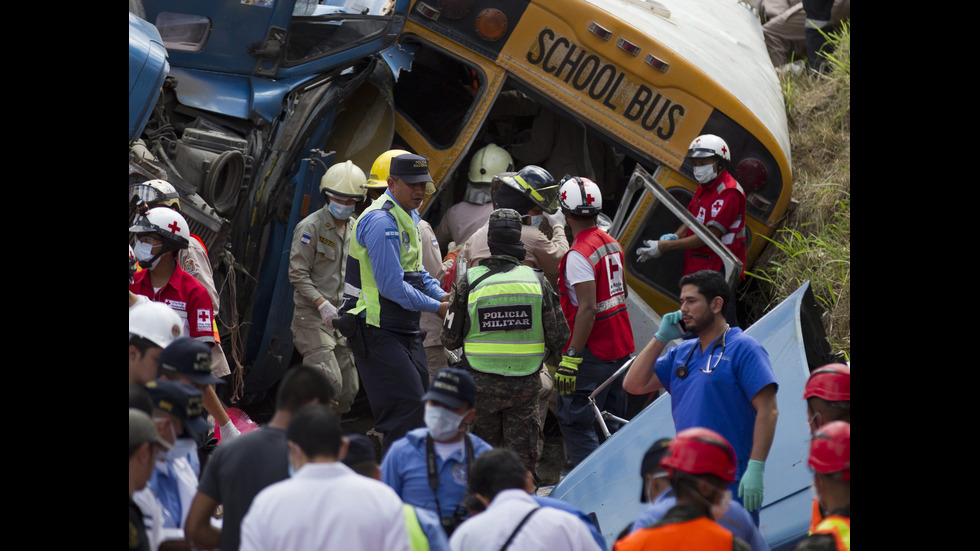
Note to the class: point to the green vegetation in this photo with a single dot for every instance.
(815, 241)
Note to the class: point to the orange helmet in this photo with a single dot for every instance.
(699, 450)
(831, 382)
(830, 449)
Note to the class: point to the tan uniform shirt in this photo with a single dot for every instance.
(318, 260)
(461, 221)
(432, 262)
(540, 252)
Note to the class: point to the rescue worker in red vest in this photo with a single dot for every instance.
(700, 464)
(193, 260)
(386, 288)
(828, 398)
(505, 316)
(317, 261)
(830, 459)
(592, 288)
(719, 204)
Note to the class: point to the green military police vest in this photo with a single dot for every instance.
(506, 334)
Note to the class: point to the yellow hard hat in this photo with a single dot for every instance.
(378, 180)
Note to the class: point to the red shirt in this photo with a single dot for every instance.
(186, 295)
(720, 204)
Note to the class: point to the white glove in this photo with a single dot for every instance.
(229, 431)
(328, 312)
(652, 250)
(556, 219)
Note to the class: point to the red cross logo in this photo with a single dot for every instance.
(174, 227)
(203, 315)
(724, 149)
(564, 196)
(589, 198)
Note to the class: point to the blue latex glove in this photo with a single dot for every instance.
(668, 237)
(566, 373)
(669, 329)
(750, 487)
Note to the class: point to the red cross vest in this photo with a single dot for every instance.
(709, 207)
(612, 335)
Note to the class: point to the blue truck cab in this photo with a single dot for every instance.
(242, 105)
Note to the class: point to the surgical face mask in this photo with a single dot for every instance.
(182, 448)
(705, 173)
(535, 219)
(341, 212)
(443, 424)
(719, 509)
(144, 254)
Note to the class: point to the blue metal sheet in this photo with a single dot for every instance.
(607, 482)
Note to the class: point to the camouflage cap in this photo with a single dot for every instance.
(505, 226)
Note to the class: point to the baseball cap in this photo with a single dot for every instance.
(190, 358)
(360, 450)
(156, 322)
(452, 386)
(183, 401)
(651, 462)
(142, 429)
(411, 168)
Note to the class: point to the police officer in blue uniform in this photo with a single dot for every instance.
(386, 288)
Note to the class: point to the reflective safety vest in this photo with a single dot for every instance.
(612, 335)
(369, 299)
(506, 334)
(701, 533)
(415, 534)
(840, 528)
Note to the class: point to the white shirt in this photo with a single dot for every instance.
(549, 528)
(577, 270)
(325, 506)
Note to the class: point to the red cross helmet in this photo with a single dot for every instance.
(579, 196)
(709, 145)
(168, 223)
(156, 322)
(697, 451)
(831, 382)
(830, 449)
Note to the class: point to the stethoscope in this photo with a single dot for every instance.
(682, 371)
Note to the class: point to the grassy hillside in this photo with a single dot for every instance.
(814, 242)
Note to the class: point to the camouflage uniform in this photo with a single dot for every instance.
(507, 413)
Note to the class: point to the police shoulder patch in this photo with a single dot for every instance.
(305, 238)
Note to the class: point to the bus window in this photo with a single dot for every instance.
(436, 94)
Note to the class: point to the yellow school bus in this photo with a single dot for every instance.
(614, 90)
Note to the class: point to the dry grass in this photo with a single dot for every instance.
(814, 243)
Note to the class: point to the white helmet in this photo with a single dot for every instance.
(488, 161)
(156, 322)
(579, 196)
(709, 145)
(168, 223)
(344, 179)
(156, 193)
